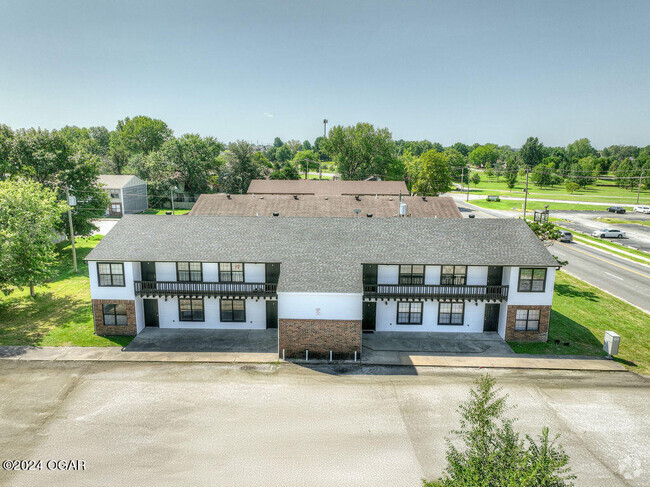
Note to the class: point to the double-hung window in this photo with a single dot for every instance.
(411, 274)
(532, 280)
(114, 314)
(110, 274)
(450, 313)
(191, 309)
(409, 313)
(233, 310)
(189, 272)
(115, 193)
(231, 272)
(453, 275)
(527, 320)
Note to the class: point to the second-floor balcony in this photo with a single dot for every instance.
(435, 291)
(197, 289)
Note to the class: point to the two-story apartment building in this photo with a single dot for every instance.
(322, 281)
(127, 193)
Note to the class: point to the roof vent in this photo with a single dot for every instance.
(295, 196)
(471, 216)
(390, 199)
(357, 198)
(261, 197)
(369, 215)
(228, 196)
(424, 198)
(275, 213)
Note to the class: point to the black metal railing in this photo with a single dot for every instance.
(432, 291)
(175, 288)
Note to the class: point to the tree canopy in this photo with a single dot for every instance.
(360, 150)
(29, 214)
(431, 174)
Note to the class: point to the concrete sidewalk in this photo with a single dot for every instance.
(395, 358)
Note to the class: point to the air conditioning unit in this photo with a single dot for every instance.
(610, 344)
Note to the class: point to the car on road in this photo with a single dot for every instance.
(565, 236)
(642, 209)
(616, 209)
(608, 233)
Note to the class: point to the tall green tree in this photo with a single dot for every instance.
(484, 156)
(511, 172)
(277, 142)
(585, 171)
(240, 168)
(142, 134)
(192, 162)
(462, 148)
(457, 164)
(433, 176)
(6, 147)
(579, 149)
(532, 152)
(493, 454)
(361, 150)
(50, 159)
(283, 154)
(305, 159)
(29, 214)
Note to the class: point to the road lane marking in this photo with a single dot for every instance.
(615, 277)
(604, 260)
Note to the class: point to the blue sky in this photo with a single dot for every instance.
(471, 71)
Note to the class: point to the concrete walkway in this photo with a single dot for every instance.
(115, 354)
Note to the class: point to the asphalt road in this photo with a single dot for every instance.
(637, 236)
(620, 277)
(205, 424)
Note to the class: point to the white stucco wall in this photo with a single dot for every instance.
(255, 315)
(477, 275)
(323, 306)
(389, 274)
(113, 292)
(527, 298)
(254, 272)
(165, 271)
(472, 322)
(210, 272)
(139, 314)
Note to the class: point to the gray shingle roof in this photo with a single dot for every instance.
(114, 181)
(326, 187)
(323, 254)
(313, 205)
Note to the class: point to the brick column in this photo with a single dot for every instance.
(342, 337)
(98, 317)
(540, 335)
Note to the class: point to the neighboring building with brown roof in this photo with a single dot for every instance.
(326, 187)
(312, 205)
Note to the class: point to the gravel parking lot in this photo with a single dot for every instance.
(204, 424)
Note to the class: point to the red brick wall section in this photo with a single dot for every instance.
(98, 316)
(540, 335)
(343, 337)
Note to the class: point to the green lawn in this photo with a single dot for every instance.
(602, 191)
(580, 316)
(517, 205)
(618, 221)
(60, 313)
(163, 211)
(314, 175)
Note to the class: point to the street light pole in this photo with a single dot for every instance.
(74, 252)
(638, 191)
(171, 198)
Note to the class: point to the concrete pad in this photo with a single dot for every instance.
(81, 353)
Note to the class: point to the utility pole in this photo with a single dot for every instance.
(526, 195)
(468, 172)
(171, 198)
(462, 177)
(74, 252)
(638, 191)
(320, 163)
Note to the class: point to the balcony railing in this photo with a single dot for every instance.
(234, 289)
(440, 292)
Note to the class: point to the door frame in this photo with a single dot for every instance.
(497, 314)
(366, 325)
(144, 306)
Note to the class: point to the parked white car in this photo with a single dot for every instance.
(608, 233)
(642, 209)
